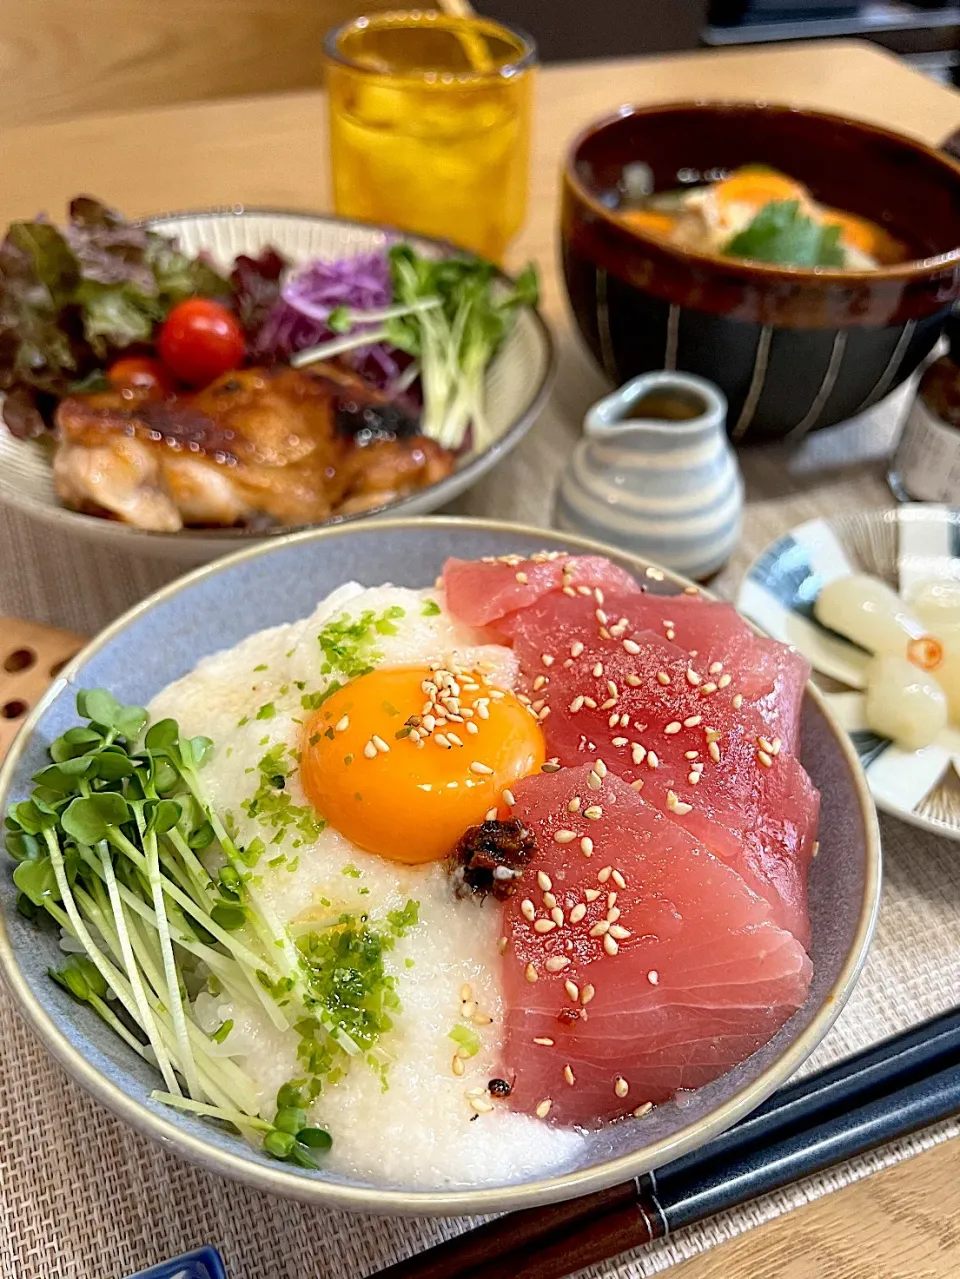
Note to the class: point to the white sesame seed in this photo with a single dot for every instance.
(619, 741)
(653, 977)
(693, 778)
(737, 701)
(690, 754)
(588, 701)
(611, 900)
(634, 680)
(530, 973)
(637, 753)
(637, 784)
(613, 914)
(591, 894)
(714, 750)
(577, 913)
(586, 846)
(671, 634)
(574, 805)
(600, 768)
(765, 745)
(544, 881)
(598, 669)
(543, 1108)
(568, 590)
(483, 710)
(564, 836)
(442, 740)
(457, 741)
(502, 944)
(467, 1009)
(556, 914)
(466, 992)
(497, 694)
(481, 1105)
(544, 925)
(576, 648)
(556, 964)
(539, 682)
(569, 1076)
(601, 616)
(343, 723)
(618, 879)
(631, 647)
(528, 910)
(457, 1065)
(692, 721)
(663, 678)
(521, 578)
(612, 688)
(621, 1087)
(549, 900)
(673, 727)
(594, 812)
(692, 677)
(716, 668)
(547, 659)
(594, 780)
(572, 989)
(621, 933)
(653, 759)
(370, 751)
(587, 994)
(472, 728)
(765, 759)
(723, 681)
(708, 688)
(601, 927)
(604, 874)
(484, 770)
(584, 590)
(576, 704)
(643, 1110)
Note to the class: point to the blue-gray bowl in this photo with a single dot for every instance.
(216, 606)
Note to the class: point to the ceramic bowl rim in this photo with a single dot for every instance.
(461, 479)
(541, 1190)
(916, 269)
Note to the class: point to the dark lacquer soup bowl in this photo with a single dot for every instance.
(794, 349)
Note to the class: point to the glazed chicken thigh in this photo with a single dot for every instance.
(282, 446)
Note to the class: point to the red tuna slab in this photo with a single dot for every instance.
(481, 592)
(657, 718)
(770, 676)
(637, 963)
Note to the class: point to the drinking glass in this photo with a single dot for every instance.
(430, 125)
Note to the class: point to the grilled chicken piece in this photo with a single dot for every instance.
(283, 445)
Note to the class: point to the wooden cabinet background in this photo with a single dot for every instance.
(64, 57)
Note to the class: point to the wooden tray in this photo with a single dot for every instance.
(31, 655)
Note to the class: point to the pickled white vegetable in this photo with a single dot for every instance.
(904, 703)
(870, 613)
(937, 605)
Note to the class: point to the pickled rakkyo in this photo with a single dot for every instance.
(873, 615)
(904, 703)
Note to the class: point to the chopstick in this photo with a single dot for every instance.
(889, 1090)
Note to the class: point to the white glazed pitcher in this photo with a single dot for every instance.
(656, 475)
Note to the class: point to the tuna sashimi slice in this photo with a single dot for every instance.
(636, 962)
(658, 718)
(481, 592)
(770, 676)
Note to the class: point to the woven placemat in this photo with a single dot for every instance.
(82, 1195)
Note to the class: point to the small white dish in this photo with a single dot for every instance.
(516, 386)
(904, 547)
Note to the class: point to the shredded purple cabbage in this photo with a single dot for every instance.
(298, 320)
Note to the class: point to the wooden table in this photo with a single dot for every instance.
(272, 151)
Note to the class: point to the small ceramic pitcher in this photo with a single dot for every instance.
(655, 474)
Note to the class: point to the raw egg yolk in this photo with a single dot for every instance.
(402, 761)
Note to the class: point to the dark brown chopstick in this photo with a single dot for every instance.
(888, 1091)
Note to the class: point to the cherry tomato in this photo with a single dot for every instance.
(142, 374)
(200, 340)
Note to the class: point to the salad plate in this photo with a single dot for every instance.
(906, 548)
(515, 385)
